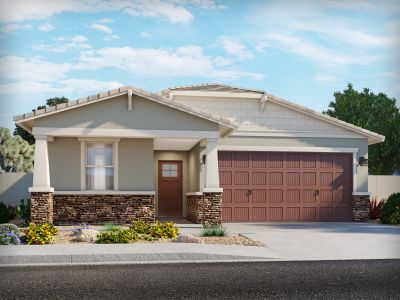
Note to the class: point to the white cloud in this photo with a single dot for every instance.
(31, 69)
(184, 61)
(176, 11)
(73, 86)
(145, 34)
(63, 44)
(105, 20)
(13, 27)
(234, 47)
(313, 51)
(46, 27)
(102, 28)
(261, 46)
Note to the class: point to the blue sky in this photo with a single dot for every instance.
(299, 50)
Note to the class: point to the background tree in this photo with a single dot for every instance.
(377, 113)
(16, 154)
(25, 134)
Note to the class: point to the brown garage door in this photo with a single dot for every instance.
(276, 186)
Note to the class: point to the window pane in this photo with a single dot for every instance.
(99, 155)
(90, 154)
(109, 182)
(166, 167)
(174, 167)
(166, 173)
(174, 173)
(89, 178)
(108, 155)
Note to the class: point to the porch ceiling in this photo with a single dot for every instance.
(174, 144)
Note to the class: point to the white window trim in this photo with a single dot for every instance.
(84, 142)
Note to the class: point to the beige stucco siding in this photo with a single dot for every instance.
(173, 155)
(194, 168)
(135, 165)
(65, 164)
(362, 172)
(114, 114)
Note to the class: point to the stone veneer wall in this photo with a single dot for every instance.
(97, 209)
(41, 208)
(205, 209)
(360, 208)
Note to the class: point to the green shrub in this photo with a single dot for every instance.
(40, 234)
(117, 236)
(4, 217)
(9, 227)
(214, 230)
(24, 211)
(140, 227)
(164, 230)
(110, 226)
(391, 210)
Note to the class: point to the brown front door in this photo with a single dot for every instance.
(170, 188)
(279, 186)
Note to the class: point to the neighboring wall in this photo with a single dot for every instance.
(14, 187)
(382, 186)
(173, 155)
(362, 144)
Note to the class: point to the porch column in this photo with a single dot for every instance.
(41, 191)
(211, 175)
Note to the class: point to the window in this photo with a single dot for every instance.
(99, 167)
(169, 170)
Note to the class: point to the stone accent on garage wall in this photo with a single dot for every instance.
(99, 209)
(205, 208)
(41, 207)
(360, 207)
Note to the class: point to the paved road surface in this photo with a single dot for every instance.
(374, 279)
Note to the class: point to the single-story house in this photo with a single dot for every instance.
(207, 152)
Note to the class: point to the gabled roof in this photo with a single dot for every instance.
(21, 119)
(373, 137)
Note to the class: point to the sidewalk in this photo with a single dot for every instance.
(130, 253)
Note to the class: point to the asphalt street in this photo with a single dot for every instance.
(362, 279)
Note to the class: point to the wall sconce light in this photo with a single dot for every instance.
(203, 159)
(362, 161)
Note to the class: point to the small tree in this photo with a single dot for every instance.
(375, 112)
(49, 102)
(16, 154)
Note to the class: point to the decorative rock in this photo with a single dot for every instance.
(187, 238)
(87, 235)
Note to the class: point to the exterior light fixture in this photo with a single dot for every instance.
(362, 161)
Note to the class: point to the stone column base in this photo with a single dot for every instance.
(361, 207)
(41, 207)
(205, 209)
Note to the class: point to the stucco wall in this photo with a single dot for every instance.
(14, 187)
(65, 164)
(362, 144)
(173, 155)
(113, 113)
(194, 168)
(381, 186)
(135, 165)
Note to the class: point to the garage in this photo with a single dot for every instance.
(285, 186)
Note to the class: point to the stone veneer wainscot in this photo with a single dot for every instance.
(98, 209)
(361, 207)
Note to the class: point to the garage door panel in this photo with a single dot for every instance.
(275, 214)
(259, 196)
(273, 186)
(275, 196)
(241, 214)
(292, 196)
(259, 178)
(241, 177)
(259, 213)
(240, 196)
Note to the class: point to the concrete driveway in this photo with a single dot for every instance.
(321, 241)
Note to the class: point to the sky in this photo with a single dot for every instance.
(302, 51)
